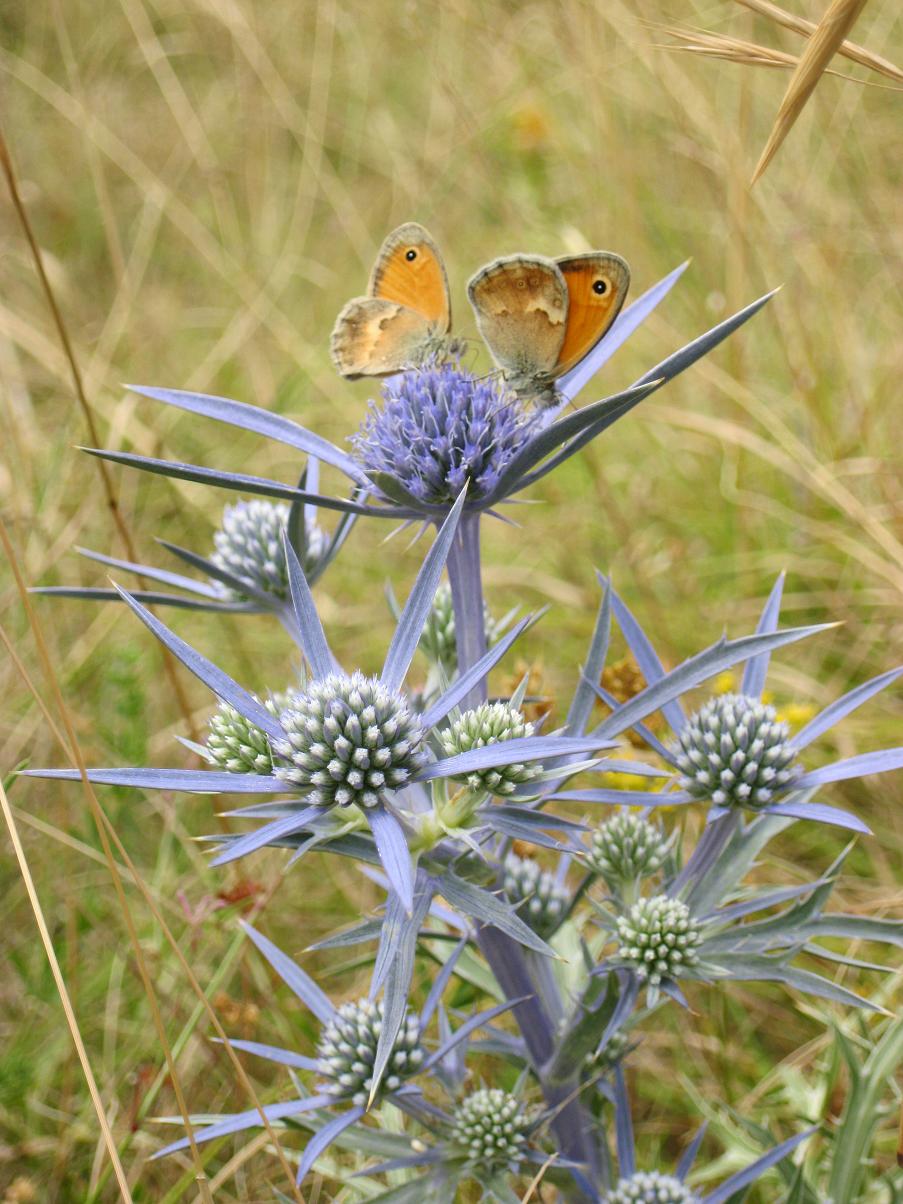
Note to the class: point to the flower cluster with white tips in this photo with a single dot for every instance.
(490, 723)
(348, 740)
(736, 752)
(490, 1126)
(439, 640)
(627, 848)
(249, 546)
(238, 745)
(650, 1187)
(658, 937)
(347, 1052)
(610, 1054)
(540, 901)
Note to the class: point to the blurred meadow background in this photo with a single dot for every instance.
(208, 183)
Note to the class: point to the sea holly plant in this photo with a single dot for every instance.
(637, 1186)
(348, 752)
(534, 918)
(438, 427)
(246, 571)
(732, 753)
(342, 1071)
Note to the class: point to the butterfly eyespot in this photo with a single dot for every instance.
(410, 255)
(600, 287)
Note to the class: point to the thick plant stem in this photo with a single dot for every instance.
(466, 581)
(507, 959)
(712, 844)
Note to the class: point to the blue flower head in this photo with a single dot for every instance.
(440, 427)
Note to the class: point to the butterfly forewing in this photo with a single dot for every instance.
(597, 285)
(409, 271)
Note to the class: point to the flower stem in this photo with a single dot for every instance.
(709, 848)
(571, 1122)
(466, 581)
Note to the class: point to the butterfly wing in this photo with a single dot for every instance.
(374, 337)
(409, 271)
(521, 306)
(597, 285)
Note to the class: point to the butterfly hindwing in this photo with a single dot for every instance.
(373, 337)
(521, 307)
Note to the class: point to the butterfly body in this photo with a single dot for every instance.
(540, 317)
(405, 317)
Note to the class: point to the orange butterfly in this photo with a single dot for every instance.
(540, 317)
(406, 315)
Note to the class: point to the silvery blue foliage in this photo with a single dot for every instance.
(435, 791)
(246, 572)
(344, 1073)
(635, 1186)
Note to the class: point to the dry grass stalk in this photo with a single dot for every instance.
(112, 500)
(736, 50)
(73, 750)
(821, 48)
(68, 1010)
(110, 839)
(850, 50)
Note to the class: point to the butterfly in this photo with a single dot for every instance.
(405, 317)
(539, 317)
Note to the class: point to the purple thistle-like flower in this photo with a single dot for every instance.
(439, 428)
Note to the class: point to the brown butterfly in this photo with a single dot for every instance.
(404, 318)
(540, 317)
